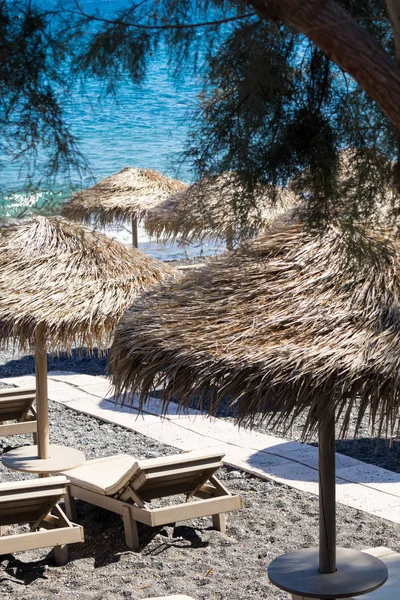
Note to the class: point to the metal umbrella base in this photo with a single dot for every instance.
(327, 572)
(356, 573)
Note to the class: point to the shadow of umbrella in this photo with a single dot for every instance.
(287, 326)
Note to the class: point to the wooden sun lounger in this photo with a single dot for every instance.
(125, 486)
(35, 502)
(16, 404)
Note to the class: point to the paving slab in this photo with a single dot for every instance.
(173, 411)
(364, 498)
(78, 379)
(369, 476)
(228, 432)
(391, 589)
(389, 514)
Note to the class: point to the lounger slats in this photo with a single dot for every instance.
(178, 473)
(21, 400)
(194, 510)
(168, 490)
(28, 426)
(16, 404)
(185, 458)
(20, 391)
(154, 478)
(41, 539)
(19, 505)
(35, 502)
(46, 484)
(30, 505)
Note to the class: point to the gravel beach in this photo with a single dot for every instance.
(190, 558)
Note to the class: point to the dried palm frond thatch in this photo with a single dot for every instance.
(121, 197)
(71, 282)
(292, 325)
(205, 209)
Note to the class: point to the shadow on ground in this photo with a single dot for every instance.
(293, 463)
(80, 361)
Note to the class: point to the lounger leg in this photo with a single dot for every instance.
(3, 530)
(35, 438)
(130, 528)
(219, 522)
(61, 555)
(70, 506)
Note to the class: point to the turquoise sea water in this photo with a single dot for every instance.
(142, 126)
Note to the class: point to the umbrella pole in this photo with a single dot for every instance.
(41, 393)
(229, 238)
(135, 242)
(327, 496)
(327, 572)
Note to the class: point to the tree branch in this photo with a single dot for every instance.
(352, 48)
(393, 7)
(124, 22)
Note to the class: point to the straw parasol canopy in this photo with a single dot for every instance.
(73, 282)
(62, 284)
(205, 209)
(295, 325)
(293, 322)
(126, 195)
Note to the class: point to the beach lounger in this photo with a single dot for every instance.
(16, 404)
(35, 502)
(126, 486)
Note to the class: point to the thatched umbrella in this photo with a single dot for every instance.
(295, 325)
(63, 285)
(205, 209)
(126, 195)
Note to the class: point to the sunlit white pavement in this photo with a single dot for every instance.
(359, 485)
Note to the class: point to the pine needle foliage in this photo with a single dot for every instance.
(34, 51)
(277, 110)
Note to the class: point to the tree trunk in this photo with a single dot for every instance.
(393, 7)
(352, 48)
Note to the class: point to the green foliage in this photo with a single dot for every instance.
(277, 110)
(33, 77)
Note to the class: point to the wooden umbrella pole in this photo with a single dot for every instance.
(42, 402)
(327, 497)
(135, 242)
(229, 238)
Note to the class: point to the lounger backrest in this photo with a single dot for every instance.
(31, 500)
(177, 474)
(15, 403)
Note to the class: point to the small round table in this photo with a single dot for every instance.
(25, 458)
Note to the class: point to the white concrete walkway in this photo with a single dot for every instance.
(362, 486)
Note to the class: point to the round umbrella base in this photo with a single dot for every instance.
(25, 458)
(356, 573)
